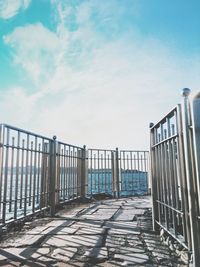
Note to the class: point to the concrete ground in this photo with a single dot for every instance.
(103, 233)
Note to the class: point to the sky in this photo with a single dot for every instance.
(96, 72)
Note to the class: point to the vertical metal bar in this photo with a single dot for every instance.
(137, 180)
(11, 174)
(138, 170)
(67, 171)
(70, 173)
(95, 174)
(73, 172)
(22, 174)
(63, 174)
(58, 183)
(113, 168)
(128, 177)
(196, 136)
(2, 134)
(182, 179)
(101, 173)
(191, 177)
(98, 159)
(153, 177)
(17, 176)
(39, 172)
(26, 175)
(52, 175)
(109, 178)
(31, 174)
(106, 171)
(142, 171)
(43, 173)
(131, 172)
(117, 171)
(34, 175)
(83, 173)
(5, 176)
(91, 170)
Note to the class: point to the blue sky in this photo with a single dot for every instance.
(96, 72)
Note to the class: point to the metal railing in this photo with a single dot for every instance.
(38, 173)
(175, 162)
(120, 173)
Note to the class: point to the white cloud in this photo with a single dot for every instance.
(96, 92)
(35, 47)
(10, 8)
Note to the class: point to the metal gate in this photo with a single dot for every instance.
(175, 162)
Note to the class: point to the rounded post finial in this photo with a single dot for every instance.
(54, 137)
(186, 92)
(151, 124)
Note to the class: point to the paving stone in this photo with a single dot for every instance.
(121, 225)
(40, 253)
(64, 254)
(109, 207)
(87, 224)
(100, 217)
(122, 240)
(11, 253)
(90, 231)
(161, 254)
(64, 231)
(71, 263)
(97, 253)
(10, 263)
(123, 231)
(52, 230)
(126, 250)
(124, 216)
(74, 241)
(132, 258)
(25, 240)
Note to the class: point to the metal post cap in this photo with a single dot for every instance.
(54, 137)
(151, 124)
(186, 92)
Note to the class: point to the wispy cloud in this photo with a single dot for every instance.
(10, 8)
(93, 88)
(35, 47)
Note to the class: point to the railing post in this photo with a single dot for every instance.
(52, 176)
(83, 173)
(196, 141)
(1, 164)
(153, 163)
(117, 172)
(191, 175)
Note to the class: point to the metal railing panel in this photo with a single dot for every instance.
(100, 171)
(133, 172)
(24, 173)
(68, 177)
(168, 190)
(120, 173)
(175, 161)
